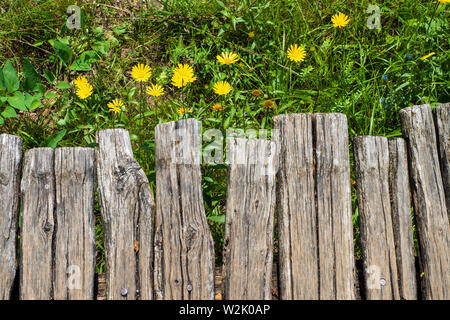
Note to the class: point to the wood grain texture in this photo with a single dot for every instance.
(250, 211)
(127, 206)
(296, 208)
(38, 225)
(401, 218)
(377, 239)
(74, 254)
(442, 122)
(10, 169)
(184, 249)
(334, 207)
(429, 201)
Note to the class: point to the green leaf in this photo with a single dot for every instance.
(63, 85)
(218, 219)
(63, 51)
(83, 63)
(49, 76)
(2, 121)
(52, 141)
(32, 78)
(18, 101)
(2, 81)
(9, 112)
(50, 95)
(10, 77)
(35, 104)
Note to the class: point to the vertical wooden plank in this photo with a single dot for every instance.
(334, 207)
(126, 203)
(442, 122)
(184, 249)
(38, 224)
(10, 165)
(297, 225)
(248, 240)
(74, 255)
(401, 218)
(429, 201)
(377, 239)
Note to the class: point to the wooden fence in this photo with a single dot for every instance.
(163, 249)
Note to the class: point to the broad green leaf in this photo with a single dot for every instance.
(2, 121)
(2, 81)
(63, 85)
(49, 76)
(218, 219)
(35, 104)
(52, 141)
(50, 95)
(9, 112)
(10, 77)
(63, 51)
(32, 78)
(18, 101)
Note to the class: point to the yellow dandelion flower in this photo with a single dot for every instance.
(428, 55)
(182, 75)
(206, 86)
(296, 53)
(182, 111)
(116, 106)
(340, 20)
(256, 92)
(269, 104)
(80, 81)
(251, 34)
(141, 72)
(444, 1)
(227, 58)
(84, 90)
(155, 90)
(218, 107)
(353, 182)
(222, 88)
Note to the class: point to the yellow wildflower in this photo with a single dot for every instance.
(218, 107)
(182, 111)
(222, 88)
(182, 75)
(296, 53)
(340, 20)
(155, 90)
(227, 58)
(116, 106)
(269, 104)
(141, 72)
(80, 81)
(256, 92)
(84, 90)
(251, 34)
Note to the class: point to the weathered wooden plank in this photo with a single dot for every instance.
(442, 122)
(429, 201)
(184, 249)
(250, 211)
(401, 218)
(38, 225)
(297, 226)
(377, 239)
(127, 206)
(334, 207)
(74, 255)
(10, 166)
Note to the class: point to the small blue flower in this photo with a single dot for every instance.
(386, 105)
(385, 77)
(408, 56)
(382, 100)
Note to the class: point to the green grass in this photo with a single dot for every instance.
(343, 70)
